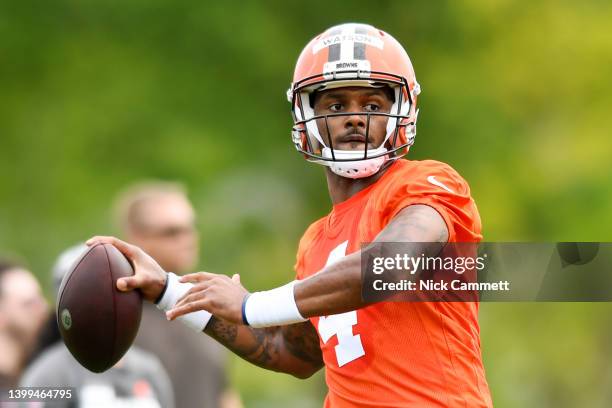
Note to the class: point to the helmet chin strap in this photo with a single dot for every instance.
(358, 167)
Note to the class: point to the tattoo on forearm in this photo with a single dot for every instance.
(221, 330)
(302, 341)
(266, 347)
(254, 345)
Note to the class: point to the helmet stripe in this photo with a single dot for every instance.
(347, 43)
(334, 49)
(360, 47)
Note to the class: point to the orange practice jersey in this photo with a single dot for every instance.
(391, 354)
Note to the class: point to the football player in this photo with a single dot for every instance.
(354, 102)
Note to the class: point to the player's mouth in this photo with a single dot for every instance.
(354, 137)
(352, 141)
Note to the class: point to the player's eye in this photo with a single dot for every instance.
(372, 107)
(335, 107)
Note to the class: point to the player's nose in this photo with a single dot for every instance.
(354, 121)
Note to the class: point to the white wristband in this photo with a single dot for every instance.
(174, 291)
(274, 307)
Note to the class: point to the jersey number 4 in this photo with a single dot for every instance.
(349, 346)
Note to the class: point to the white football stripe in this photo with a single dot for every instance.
(347, 46)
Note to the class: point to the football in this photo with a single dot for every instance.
(98, 323)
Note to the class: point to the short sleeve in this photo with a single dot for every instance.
(436, 185)
(305, 244)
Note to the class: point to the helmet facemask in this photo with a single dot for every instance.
(400, 128)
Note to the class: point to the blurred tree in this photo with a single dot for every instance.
(516, 97)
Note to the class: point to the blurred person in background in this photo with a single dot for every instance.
(22, 313)
(159, 218)
(138, 379)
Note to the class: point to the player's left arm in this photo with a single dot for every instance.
(336, 288)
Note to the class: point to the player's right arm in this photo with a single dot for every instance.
(292, 349)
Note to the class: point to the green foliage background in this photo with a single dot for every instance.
(516, 96)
